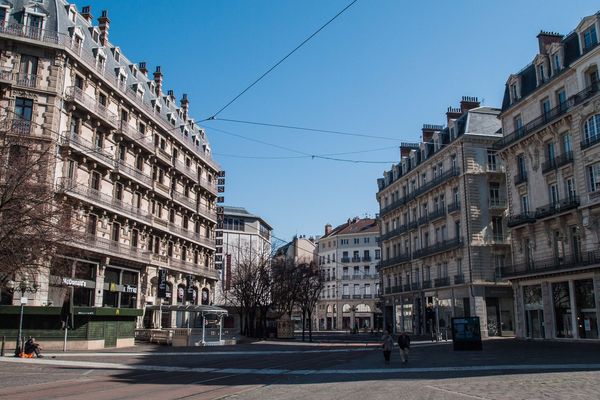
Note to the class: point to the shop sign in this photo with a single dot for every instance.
(162, 284)
(130, 289)
(74, 282)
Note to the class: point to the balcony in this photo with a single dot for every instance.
(395, 260)
(187, 171)
(87, 149)
(413, 225)
(210, 186)
(459, 279)
(589, 142)
(143, 140)
(27, 81)
(520, 178)
(552, 264)
(442, 246)
(161, 188)
(112, 248)
(406, 287)
(355, 259)
(440, 282)
(345, 296)
(393, 206)
(207, 213)
(6, 76)
(415, 286)
(547, 117)
(497, 204)
(438, 180)
(162, 155)
(133, 173)
(497, 239)
(366, 258)
(345, 260)
(75, 94)
(16, 126)
(396, 289)
(454, 207)
(356, 276)
(439, 213)
(345, 277)
(557, 208)
(388, 290)
(395, 232)
(191, 235)
(192, 268)
(184, 200)
(427, 284)
(356, 296)
(520, 219)
(93, 196)
(367, 296)
(557, 162)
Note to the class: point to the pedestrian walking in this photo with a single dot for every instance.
(404, 345)
(388, 345)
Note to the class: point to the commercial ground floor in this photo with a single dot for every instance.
(430, 312)
(346, 314)
(107, 298)
(558, 304)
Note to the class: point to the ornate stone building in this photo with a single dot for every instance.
(551, 147)
(131, 161)
(443, 227)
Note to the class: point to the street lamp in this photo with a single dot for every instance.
(24, 287)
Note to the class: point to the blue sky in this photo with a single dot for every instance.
(383, 68)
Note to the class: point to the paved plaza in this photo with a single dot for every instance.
(505, 369)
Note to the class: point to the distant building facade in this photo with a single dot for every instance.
(551, 147)
(246, 238)
(443, 227)
(348, 257)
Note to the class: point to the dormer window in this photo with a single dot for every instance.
(590, 38)
(117, 55)
(541, 74)
(101, 62)
(556, 62)
(95, 36)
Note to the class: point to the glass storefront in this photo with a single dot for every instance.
(77, 274)
(120, 288)
(534, 311)
(587, 323)
(561, 298)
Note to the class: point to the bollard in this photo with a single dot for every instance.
(2, 349)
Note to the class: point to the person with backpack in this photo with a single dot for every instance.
(388, 345)
(404, 345)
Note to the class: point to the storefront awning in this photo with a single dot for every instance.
(203, 309)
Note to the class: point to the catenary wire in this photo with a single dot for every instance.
(280, 61)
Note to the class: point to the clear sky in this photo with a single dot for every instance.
(383, 68)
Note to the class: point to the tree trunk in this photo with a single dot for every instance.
(303, 323)
(310, 326)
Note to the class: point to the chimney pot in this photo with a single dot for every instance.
(547, 38)
(142, 67)
(467, 103)
(103, 25)
(86, 12)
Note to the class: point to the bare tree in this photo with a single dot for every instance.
(311, 284)
(287, 278)
(33, 225)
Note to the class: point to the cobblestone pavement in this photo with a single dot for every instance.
(505, 369)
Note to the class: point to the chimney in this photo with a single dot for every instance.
(171, 94)
(467, 103)
(405, 149)
(452, 113)
(86, 12)
(158, 78)
(547, 38)
(142, 67)
(185, 106)
(428, 131)
(103, 25)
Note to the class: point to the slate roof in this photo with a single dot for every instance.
(242, 212)
(362, 225)
(57, 20)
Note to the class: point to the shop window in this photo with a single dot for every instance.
(562, 309)
(587, 322)
(120, 288)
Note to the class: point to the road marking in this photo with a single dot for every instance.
(224, 353)
(273, 371)
(88, 372)
(461, 394)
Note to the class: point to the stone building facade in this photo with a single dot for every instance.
(348, 258)
(131, 161)
(551, 147)
(443, 228)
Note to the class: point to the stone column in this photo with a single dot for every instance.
(547, 300)
(520, 316)
(98, 297)
(573, 305)
(597, 295)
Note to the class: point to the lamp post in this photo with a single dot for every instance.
(24, 287)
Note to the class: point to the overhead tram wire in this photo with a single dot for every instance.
(304, 154)
(306, 129)
(279, 62)
(296, 157)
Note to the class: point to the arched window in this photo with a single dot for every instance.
(205, 297)
(346, 308)
(592, 130)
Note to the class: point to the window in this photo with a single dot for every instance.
(524, 204)
(545, 106)
(593, 172)
(590, 39)
(491, 160)
(561, 97)
(92, 223)
(24, 108)
(137, 200)
(517, 122)
(592, 130)
(553, 194)
(366, 240)
(122, 152)
(95, 180)
(79, 82)
(134, 238)
(377, 254)
(550, 153)
(356, 240)
(102, 99)
(120, 288)
(521, 169)
(514, 94)
(139, 163)
(99, 140)
(115, 232)
(28, 71)
(566, 143)
(556, 61)
(497, 228)
(170, 249)
(71, 167)
(172, 215)
(570, 188)
(119, 191)
(541, 74)
(453, 161)
(75, 124)
(494, 194)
